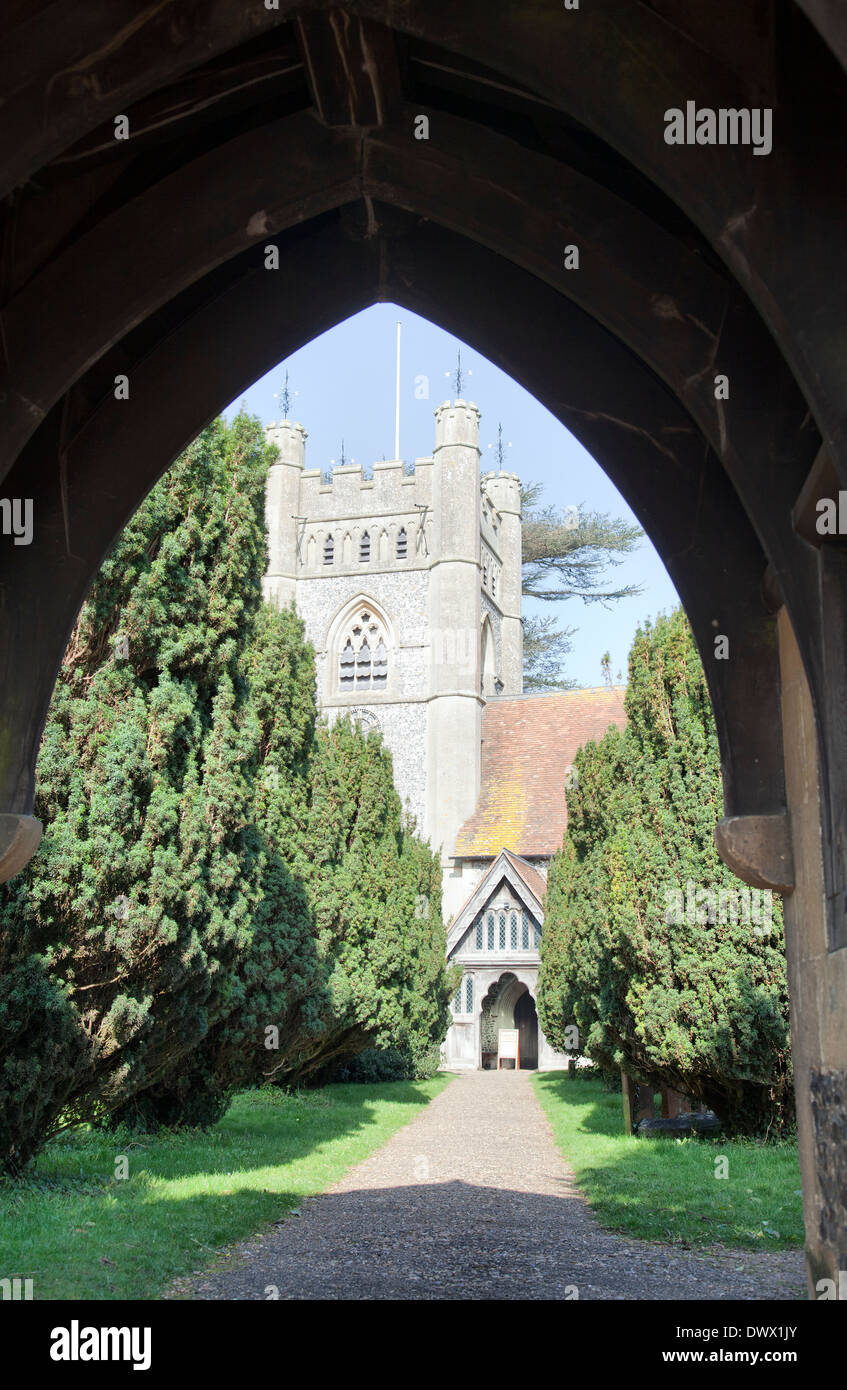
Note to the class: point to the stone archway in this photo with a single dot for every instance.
(501, 1008)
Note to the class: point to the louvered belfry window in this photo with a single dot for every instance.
(402, 543)
(365, 548)
(348, 663)
(363, 655)
(329, 550)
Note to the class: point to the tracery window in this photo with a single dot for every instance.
(363, 660)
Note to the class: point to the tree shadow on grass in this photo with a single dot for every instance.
(187, 1193)
(669, 1187)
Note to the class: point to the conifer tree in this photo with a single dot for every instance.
(120, 938)
(376, 896)
(683, 991)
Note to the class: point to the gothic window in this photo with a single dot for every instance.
(536, 933)
(457, 1000)
(329, 550)
(365, 548)
(502, 937)
(469, 994)
(479, 934)
(402, 543)
(513, 930)
(363, 658)
(524, 931)
(491, 931)
(311, 551)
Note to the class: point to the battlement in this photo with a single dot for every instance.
(350, 495)
(456, 422)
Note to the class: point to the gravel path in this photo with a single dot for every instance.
(472, 1200)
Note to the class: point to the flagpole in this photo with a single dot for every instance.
(397, 399)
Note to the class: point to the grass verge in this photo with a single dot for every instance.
(667, 1189)
(79, 1232)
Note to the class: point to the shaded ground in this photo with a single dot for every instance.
(472, 1200)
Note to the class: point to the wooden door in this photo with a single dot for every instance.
(526, 1021)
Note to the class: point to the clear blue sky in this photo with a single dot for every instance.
(345, 390)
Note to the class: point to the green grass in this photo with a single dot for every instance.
(666, 1189)
(79, 1232)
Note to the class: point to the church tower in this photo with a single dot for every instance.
(409, 585)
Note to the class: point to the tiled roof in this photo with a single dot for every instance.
(528, 744)
(535, 882)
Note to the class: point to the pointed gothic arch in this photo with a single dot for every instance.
(360, 648)
(713, 270)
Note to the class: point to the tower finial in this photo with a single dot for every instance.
(458, 374)
(284, 398)
(501, 456)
